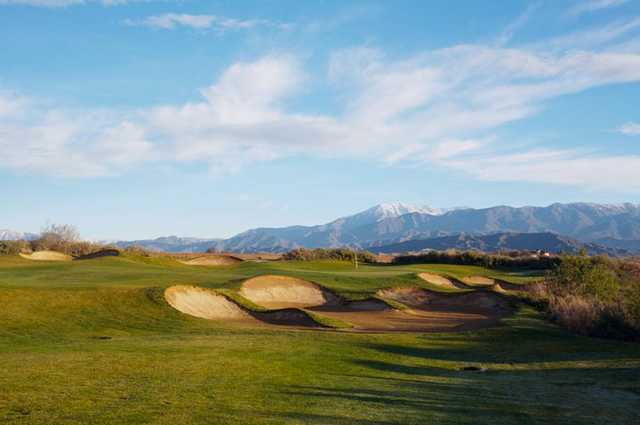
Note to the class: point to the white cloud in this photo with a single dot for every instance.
(171, 21)
(630, 129)
(12, 105)
(605, 172)
(443, 108)
(586, 6)
(65, 3)
(508, 33)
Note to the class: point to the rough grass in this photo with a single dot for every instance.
(93, 342)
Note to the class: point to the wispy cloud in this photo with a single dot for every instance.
(630, 129)
(508, 33)
(587, 6)
(171, 21)
(443, 107)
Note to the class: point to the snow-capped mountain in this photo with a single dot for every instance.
(618, 225)
(12, 235)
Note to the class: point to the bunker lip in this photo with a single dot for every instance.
(444, 282)
(212, 260)
(46, 256)
(274, 291)
(108, 252)
(504, 286)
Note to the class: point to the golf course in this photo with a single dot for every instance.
(133, 339)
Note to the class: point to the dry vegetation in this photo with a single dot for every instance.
(596, 296)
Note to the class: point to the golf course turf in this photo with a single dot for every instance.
(96, 342)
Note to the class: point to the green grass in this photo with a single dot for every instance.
(93, 342)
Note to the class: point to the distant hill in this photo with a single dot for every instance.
(171, 244)
(545, 241)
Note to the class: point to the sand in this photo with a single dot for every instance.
(47, 256)
(478, 281)
(273, 291)
(441, 281)
(212, 260)
(203, 303)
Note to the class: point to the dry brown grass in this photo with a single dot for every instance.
(578, 314)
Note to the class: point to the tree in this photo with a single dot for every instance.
(57, 237)
(60, 232)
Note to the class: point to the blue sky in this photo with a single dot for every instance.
(134, 119)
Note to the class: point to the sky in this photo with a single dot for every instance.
(137, 119)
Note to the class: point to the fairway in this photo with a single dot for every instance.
(94, 341)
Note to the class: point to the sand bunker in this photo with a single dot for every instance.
(47, 256)
(212, 260)
(203, 303)
(441, 281)
(273, 291)
(292, 300)
(478, 281)
(207, 304)
(467, 311)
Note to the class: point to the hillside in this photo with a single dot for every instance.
(546, 241)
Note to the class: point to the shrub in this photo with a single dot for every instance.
(14, 247)
(476, 258)
(337, 254)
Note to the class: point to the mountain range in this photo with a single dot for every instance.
(545, 241)
(611, 226)
(614, 226)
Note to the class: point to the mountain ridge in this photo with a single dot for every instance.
(545, 241)
(383, 225)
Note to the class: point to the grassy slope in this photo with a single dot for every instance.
(163, 367)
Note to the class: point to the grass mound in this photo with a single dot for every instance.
(100, 254)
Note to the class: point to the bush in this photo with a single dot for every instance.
(595, 296)
(475, 258)
(14, 247)
(336, 254)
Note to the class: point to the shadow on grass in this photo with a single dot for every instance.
(535, 373)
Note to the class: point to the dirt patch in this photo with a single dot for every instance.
(212, 260)
(47, 256)
(478, 281)
(273, 291)
(441, 281)
(203, 303)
